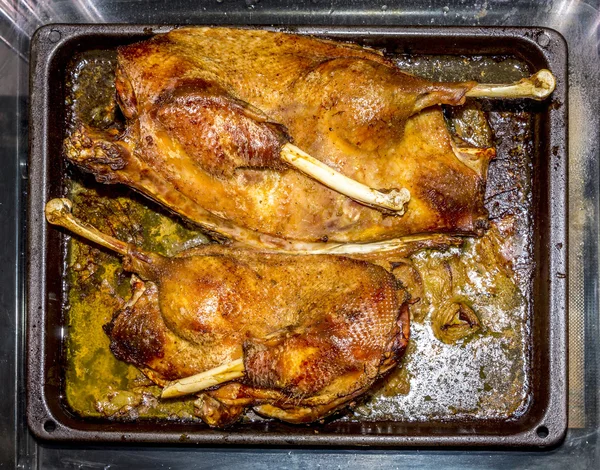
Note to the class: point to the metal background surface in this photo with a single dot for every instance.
(577, 20)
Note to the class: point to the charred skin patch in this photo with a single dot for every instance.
(137, 331)
(220, 133)
(452, 198)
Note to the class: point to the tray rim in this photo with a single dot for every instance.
(51, 38)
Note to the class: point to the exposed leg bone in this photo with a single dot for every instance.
(58, 212)
(210, 378)
(392, 200)
(386, 246)
(537, 87)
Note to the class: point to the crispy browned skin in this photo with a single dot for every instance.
(314, 331)
(209, 109)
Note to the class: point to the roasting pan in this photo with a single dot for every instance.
(543, 423)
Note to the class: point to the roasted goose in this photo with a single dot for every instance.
(212, 113)
(301, 336)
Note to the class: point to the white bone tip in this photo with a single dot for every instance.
(55, 208)
(394, 200)
(544, 83)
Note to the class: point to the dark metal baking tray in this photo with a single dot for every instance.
(543, 424)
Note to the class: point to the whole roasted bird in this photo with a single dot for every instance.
(294, 337)
(212, 113)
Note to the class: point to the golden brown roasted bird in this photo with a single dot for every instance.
(212, 114)
(299, 336)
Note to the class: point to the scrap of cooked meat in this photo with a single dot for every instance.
(209, 110)
(313, 332)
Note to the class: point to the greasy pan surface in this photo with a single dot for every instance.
(50, 417)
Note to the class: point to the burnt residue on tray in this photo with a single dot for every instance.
(481, 376)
